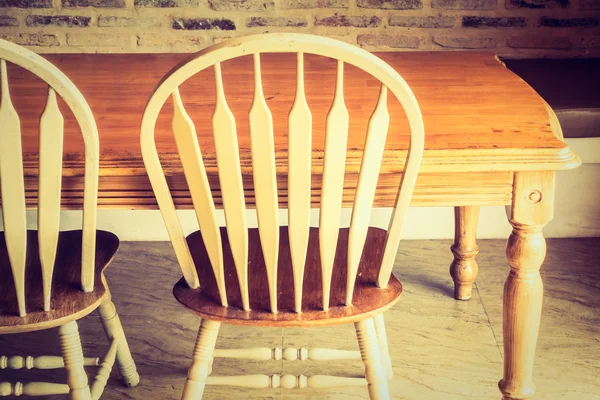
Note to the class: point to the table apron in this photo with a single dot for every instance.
(433, 189)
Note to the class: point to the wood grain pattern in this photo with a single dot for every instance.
(230, 179)
(69, 301)
(479, 117)
(50, 180)
(195, 175)
(432, 190)
(336, 140)
(300, 140)
(12, 189)
(265, 184)
(368, 299)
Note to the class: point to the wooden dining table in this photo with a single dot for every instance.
(490, 139)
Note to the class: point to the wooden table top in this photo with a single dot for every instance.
(479, 117)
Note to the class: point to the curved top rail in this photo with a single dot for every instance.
(61, 84)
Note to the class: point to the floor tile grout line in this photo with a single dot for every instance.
(489, 322)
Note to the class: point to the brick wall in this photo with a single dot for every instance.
(515, 28)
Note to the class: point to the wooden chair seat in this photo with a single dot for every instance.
(368, 299)
(69, 302)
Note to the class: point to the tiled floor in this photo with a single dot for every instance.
(441, 348)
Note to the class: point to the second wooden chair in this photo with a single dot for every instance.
(50, 278)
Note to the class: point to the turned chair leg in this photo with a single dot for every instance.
(72, 353)
(202, 360)
(114, 330)
(383, 345)
(464, 267)
(371, 356)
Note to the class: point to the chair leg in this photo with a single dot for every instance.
(114, 330)
(386, 361)
(202, 360)
(371, 356)
(72, 353)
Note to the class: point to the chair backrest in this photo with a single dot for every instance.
(263, 165)
(50, 172)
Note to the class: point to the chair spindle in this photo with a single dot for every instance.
(12, 189)
(336, 139)
(232, 189)
(49, 186)
(265, 183)
(195, 175)
(365, 189)
(299, 170)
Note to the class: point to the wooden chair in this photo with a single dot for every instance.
(50, 278)
(291, 275)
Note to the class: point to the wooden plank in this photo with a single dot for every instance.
(336, 138)
(195, 174)
(12, 188)
(299, 166)
(265, 184)
(232, 189)
(365, 189)
(50, 179)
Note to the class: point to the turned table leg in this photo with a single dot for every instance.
(464, 267)
(532, 208)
